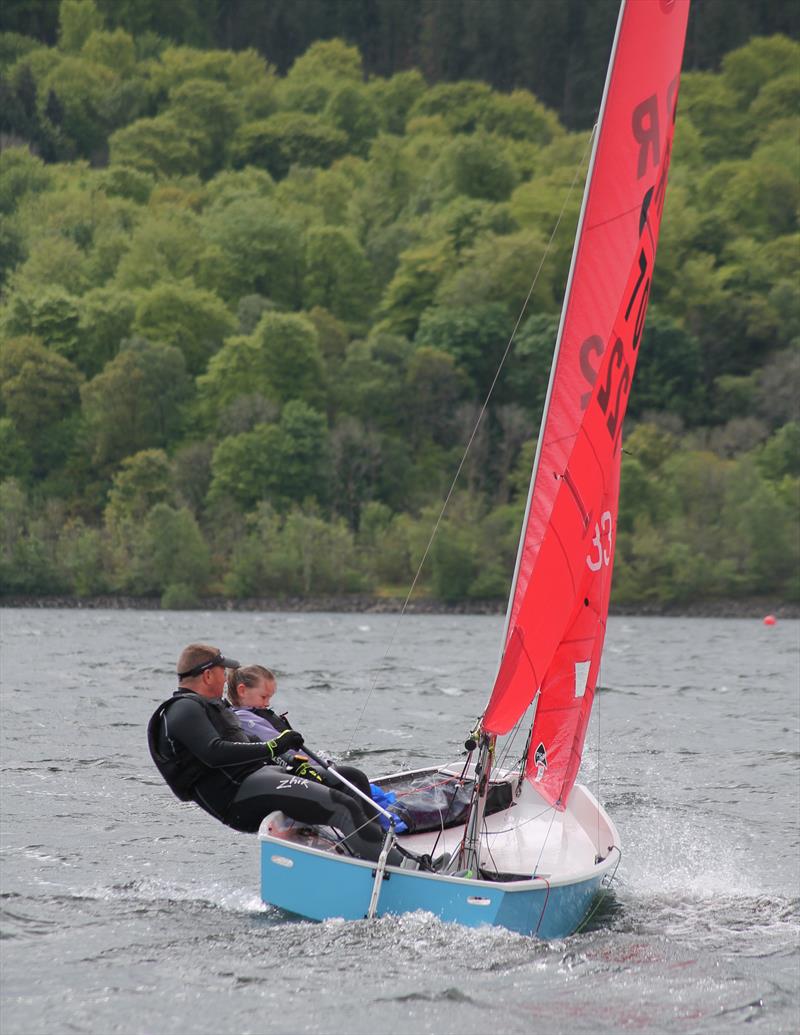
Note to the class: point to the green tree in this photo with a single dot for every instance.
(28, 544)
(82, 90)
(52, 315)
(165, 246)
(17, 458)
(315, 74)
(351, 110)
(21, 173)
(395, 97)
(317, 556)
(193, 320)
(527, 374)
(39, 391)
(170, 554)
(747, 69)
(435, 385)
(115, 50)
(78, 19)
(302, 554)
(160, 147)
(125, 182)
(135, 402)
(668, 372)
(780, 456)
(141, 481)
(278, 463)
(478, 167)
(461, 105)
(212, 113)
(499, 268)
(285, 139)
(372, 380)
(475, 336)
(290, 357)
(413, 287)
(12, 247)
(521, 116)
(262, 248)
(454, 562)
(85, 558)
(338, 275)
(106, 318)
(58, 262)
(355, 454)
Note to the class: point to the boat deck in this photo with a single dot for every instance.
(532, 838)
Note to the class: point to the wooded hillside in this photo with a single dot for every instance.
(248, 320)
(557, 49)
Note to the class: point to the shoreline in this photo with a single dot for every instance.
(745, 607)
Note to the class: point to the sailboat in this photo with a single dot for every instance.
(529, 848)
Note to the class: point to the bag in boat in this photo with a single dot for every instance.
(433, 801)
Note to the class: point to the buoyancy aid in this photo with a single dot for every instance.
(179, 767)
(278, 722)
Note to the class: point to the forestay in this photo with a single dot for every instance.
(559, 602)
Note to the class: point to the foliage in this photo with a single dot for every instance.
(250, 316)
(279, 463)
(134, 403)
(39, 395)
(189, 318)
(286, 139)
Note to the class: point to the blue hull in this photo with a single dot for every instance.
(319, 886)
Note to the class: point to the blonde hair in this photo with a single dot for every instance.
(247, 674)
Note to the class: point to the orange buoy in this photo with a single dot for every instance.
(770, 620)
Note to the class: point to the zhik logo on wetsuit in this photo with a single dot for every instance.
(293, 781)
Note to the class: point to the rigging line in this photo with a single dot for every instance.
(546, 838)
(509, 744)
(443, 818)
(604, 892)
(520, 823)
(478, 420)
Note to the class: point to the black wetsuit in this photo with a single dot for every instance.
(206, 757)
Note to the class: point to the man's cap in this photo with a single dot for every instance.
(214, 659)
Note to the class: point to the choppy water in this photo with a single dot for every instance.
(126, 911)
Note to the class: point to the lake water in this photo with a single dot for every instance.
(127, 911)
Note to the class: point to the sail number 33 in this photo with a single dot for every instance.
(601, 552)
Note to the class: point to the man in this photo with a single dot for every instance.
(205, 756)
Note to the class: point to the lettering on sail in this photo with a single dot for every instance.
(646, 129)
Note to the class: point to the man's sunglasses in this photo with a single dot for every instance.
(218, 661)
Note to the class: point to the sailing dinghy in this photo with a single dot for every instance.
(529, 849)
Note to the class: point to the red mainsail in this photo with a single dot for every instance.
(559, 601)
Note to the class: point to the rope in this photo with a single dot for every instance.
(601, 896)
(546, 900)
(546, 838)
(471, 439)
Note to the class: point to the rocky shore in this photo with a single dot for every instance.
(745, 607)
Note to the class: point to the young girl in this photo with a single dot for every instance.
(250, 690)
